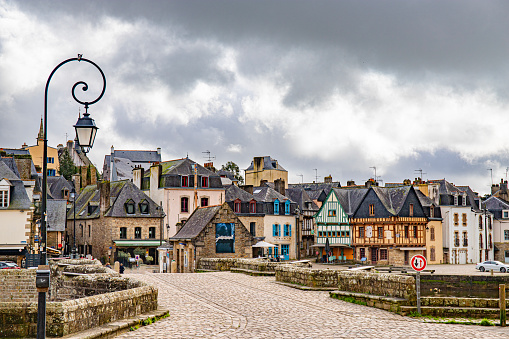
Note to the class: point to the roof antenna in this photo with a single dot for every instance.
(187, 155)
(208, 157)
(491, 171)
(301, 178)
(421, 173)
(374, 167)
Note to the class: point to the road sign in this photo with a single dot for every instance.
(418, 262)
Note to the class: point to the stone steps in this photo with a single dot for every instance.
(453, 312)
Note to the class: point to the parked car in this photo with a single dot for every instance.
(489, 265)
(8, 265)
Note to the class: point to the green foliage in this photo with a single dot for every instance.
(147, 321)
(89, 175)
(139, 251)
(66, 165)
(352, 300)
(149, 258)
(234, 168)
(122, 254)
(486, 322)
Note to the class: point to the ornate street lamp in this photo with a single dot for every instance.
(73, 197)
(85, 132)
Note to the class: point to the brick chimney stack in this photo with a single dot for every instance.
(104, 187)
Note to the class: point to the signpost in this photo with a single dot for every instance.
(418, 263)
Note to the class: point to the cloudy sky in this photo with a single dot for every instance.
(337, 86)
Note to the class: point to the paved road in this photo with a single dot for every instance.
(223, 304)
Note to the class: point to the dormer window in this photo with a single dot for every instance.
(65, 193)
(276, 206)
(204, 181)
(185, 181)
(287, 207)
(129, 206)
(236, 206)
(4, 197)
(144, 207)
(464, 200)
(455, 200)
(252, 206)
(505, 214)
(91, 209)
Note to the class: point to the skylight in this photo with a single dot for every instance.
(257, 191)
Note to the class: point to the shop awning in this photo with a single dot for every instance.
(53, 251)
(137, 243)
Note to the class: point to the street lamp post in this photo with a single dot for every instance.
(85, 132)
(73, 197)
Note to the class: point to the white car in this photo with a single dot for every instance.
(489, 265)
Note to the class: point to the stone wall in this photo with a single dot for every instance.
(306, 276)
(462, 286)
(88, 308)
(225, 264)
(17, 286)
(500, 254)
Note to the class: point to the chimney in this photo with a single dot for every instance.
(258, 164)
(159, 151)
(155, 176)
(407, 182)
(279, 186)
(24, 168)
(503, 185)
(328, 180)
(247, 188)
(368, 183)
(104, 193)
(263, 182)
(76, 178)
(209, 166)
(350, 183)
(138, 173)
(494, 189)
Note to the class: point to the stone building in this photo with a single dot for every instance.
(36, 151)
(263, 170)
(112, 218)
(211, 232)
(119, 164)
(500, 210)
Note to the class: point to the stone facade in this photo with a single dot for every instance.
(502, 247)
(463, 286)
(17, 286)
(307, 277)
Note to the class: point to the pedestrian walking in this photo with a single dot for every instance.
(121, 269)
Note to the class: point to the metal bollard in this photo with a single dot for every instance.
(501, 293)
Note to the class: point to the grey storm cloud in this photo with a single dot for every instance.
(335, 85)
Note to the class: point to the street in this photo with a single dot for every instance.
(223, 304)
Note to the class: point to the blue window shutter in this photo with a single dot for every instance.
(290, 230)
(279, 229)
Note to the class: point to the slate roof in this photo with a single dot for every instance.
(300, 196)
(6, 172)
(392, 198)
(196, 222)
(120, 193)
(56, 185)
(183, 166)
(18, 195)
(57, 210)
(138, 156)
(11, 164)
(316, 186)
(267, 194)
(268, 164)
(446, 187)
(233, 192)
(495, 203)
(15, 151)
(472, 196)
(350, 198)
(227, 174)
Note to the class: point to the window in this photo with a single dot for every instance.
(480, 241)
(236, 206)
(332, 213)
(432, 255)
(455, 200)
(204, 202)
(137, 233)
(415, 232)
(362, 253)
(361, 232)
(51, 173)
(383, 254)
(204, 181)
(480, 222)
(129, 206)
(276, 206)
(144, 207)
(411, 210)
(432, 233)
(287, 230)
(285, 249)
(152, 232)
(380, 232)
(465, 239)
(4, 198)
(406, 232)
(89, 231)
(320, 234)
(489, 223)
(185, 181)
(252, 207)
(456, 239)
(184, 204)
(489, 241)
(91, 209)
(431, 211)
(464, 201)
(456, 219)
(275, 230)
(51, 160)
(505, 214)
(506, 235)
(287, 207)
(252, 229)
(123, 232)
(347, 233)
(371, 210)
(464, 219)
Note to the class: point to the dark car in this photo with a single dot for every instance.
(8, 265)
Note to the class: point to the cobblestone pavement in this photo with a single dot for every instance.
(223, 304)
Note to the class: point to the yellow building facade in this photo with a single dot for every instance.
(37, 153)
(265, 169)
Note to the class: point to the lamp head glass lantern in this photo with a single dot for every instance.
(85, 132)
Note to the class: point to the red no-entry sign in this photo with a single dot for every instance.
(418, 262)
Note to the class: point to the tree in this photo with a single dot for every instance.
(66, 168)
(234, 168)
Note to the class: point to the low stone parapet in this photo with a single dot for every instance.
(307, 276)
(226, 264)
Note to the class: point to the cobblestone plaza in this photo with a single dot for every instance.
(223, 304)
